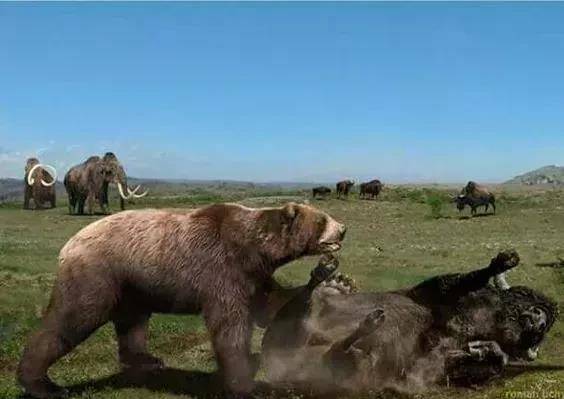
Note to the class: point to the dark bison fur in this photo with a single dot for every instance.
(371, 189)
(475, 195)
(344, 187)
(453, 328)
(321, 191)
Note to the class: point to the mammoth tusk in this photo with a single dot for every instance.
(134, 190)
(52, 172)
(48, 168)
(139, 195)
(500, 282)
(121, 193)
(30, 179)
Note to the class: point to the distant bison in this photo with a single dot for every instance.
(475, 195)
(370, 189)
(343, 188)
(321, 191)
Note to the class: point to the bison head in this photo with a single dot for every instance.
(524, 319)
(460, 201)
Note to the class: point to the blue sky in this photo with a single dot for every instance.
(285, 91)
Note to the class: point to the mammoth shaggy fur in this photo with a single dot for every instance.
(88, 183)
(39, 184)
(453, 328)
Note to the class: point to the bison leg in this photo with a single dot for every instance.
(131, 330)
(54, 200)
(448, 288)
(342, 356)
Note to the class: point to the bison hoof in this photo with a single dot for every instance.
(44, 388)
(142, 362)
(324, 270)
(504, 261)
(373, 320)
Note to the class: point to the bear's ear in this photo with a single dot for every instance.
(290, 211)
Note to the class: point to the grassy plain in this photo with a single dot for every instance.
(395, 241)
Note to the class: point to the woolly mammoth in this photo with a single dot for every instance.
(453, 328)
(89, 181)
(39, 183)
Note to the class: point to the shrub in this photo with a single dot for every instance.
(435, 203)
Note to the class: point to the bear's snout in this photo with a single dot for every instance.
(343, 229)
(332, 236)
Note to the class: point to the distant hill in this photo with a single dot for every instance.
(550, 174)
(12, 189)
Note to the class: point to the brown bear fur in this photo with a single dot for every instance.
(126, 266)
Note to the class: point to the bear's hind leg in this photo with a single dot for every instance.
(131, 330)
(55, 339)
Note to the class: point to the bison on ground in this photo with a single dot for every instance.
(452, 328)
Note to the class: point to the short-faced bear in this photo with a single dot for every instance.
(213, 260)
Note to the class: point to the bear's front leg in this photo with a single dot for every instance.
(229, 324)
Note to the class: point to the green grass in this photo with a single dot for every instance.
(391, 242)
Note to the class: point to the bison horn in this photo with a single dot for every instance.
(121, 193)
(500, 282)
(49, 169)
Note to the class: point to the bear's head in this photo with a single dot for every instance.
(296, 230)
